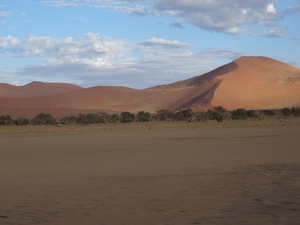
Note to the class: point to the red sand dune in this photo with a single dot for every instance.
(35, 89)
(248, 82)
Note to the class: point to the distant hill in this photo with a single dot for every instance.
(248, 82)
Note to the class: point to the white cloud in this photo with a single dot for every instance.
(4, 15)
(231, 16)
(90, 49)
(9, 40)
(98, 60)
(276, 32)
(160, 42)
(271, 8)
(60, 3)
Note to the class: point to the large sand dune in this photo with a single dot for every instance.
(248, 82)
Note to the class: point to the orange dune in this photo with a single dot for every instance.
(248, 82)
(35, 89)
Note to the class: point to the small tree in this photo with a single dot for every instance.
(239, 114)
(114, 118)
(251, 113)
(184, 114)
(68, 120)
(165, 114)
(286, 111)
(219, 116)
(22, 121)
(220, 109)
(296, 111)
(127, 117)
(201, 116)
(6, 120)
(44, 119)
(143, 116)
(268, 112)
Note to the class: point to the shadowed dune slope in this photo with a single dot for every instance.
(248, 82)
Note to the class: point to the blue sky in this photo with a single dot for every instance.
(139, 43)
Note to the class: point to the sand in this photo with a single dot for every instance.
(175, 173)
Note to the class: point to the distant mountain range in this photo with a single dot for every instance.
(248, 82)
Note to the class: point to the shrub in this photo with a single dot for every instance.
(219, 116)
(201, 116)
(239, 114)
(127, 117)
(268, 112)
(114, 118)
(165, 114)
(103, 117)
(210, 114)
(22, 121)
(90, 118)
(286, 111)
(44, 119)
(6, 120)
(220, 109)
(251, 113)
(183, 114)
(68, 120)
(296, 111)
(143, 116)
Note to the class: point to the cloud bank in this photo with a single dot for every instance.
(104, 60)
(231, 16)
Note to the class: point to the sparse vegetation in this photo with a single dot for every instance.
(268, 112)
(164, 115)
(218, 113)
(127, 117)
(6, 120)
(296, 111)
(44, 119)
(286, 111)
(68, 120)
(143, 116)
(22, 121)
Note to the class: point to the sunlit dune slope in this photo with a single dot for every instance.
(248, 82)
(35, 89)
(259, 83)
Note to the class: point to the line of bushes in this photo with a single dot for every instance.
(219, 114)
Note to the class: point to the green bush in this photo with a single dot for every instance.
(219, 116)
(22, 121)
(184, 114)
(44, 119)
(114, 118)
(68, 120)
(251, 113)
(127, 117)
(296, 111)
(239, 114)
(220, 109)
(268, 112)
(286, 111)
(164, 114)
(201, 116)
(143, 116)
(6, 120)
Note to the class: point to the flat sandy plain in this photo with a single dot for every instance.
(245, 172)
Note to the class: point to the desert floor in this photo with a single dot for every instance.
(166, 173)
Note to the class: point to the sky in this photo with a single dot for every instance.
(140, 43)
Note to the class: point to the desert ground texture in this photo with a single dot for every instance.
(244, 172)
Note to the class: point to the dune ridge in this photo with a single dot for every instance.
(248, 82)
